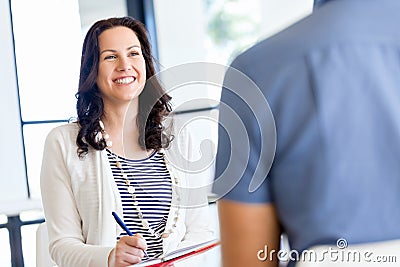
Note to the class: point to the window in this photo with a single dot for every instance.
(47, 50)
(48, 45)
(44, 39)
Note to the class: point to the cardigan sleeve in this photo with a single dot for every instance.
(67, 245)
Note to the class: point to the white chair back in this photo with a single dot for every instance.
(43, 258)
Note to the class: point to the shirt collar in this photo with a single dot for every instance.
(318, 3)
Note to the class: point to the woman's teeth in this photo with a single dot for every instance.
(125, 80)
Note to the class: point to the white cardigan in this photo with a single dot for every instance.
(79, 195)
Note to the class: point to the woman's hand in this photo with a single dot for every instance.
(128, 251)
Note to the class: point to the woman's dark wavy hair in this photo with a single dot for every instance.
(153, 101)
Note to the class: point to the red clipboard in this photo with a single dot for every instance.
(169, 259)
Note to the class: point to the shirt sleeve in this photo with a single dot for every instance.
(246, 140)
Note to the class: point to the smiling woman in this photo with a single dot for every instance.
(114, 51)
(122, 72)
(115, 158)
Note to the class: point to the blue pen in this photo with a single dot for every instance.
(123, 226)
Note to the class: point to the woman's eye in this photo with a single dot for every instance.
(134, 53)
(110, 57)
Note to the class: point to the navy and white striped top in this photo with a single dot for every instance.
(153, 191)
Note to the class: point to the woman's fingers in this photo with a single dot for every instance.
(135, 241)
(129, 250)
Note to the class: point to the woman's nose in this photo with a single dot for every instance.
(124, 64)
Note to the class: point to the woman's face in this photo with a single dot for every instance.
(122, 68)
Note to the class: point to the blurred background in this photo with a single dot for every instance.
(40, 47)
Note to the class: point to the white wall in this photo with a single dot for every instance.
(180, 31)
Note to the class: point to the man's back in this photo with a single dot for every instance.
(333, 84)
